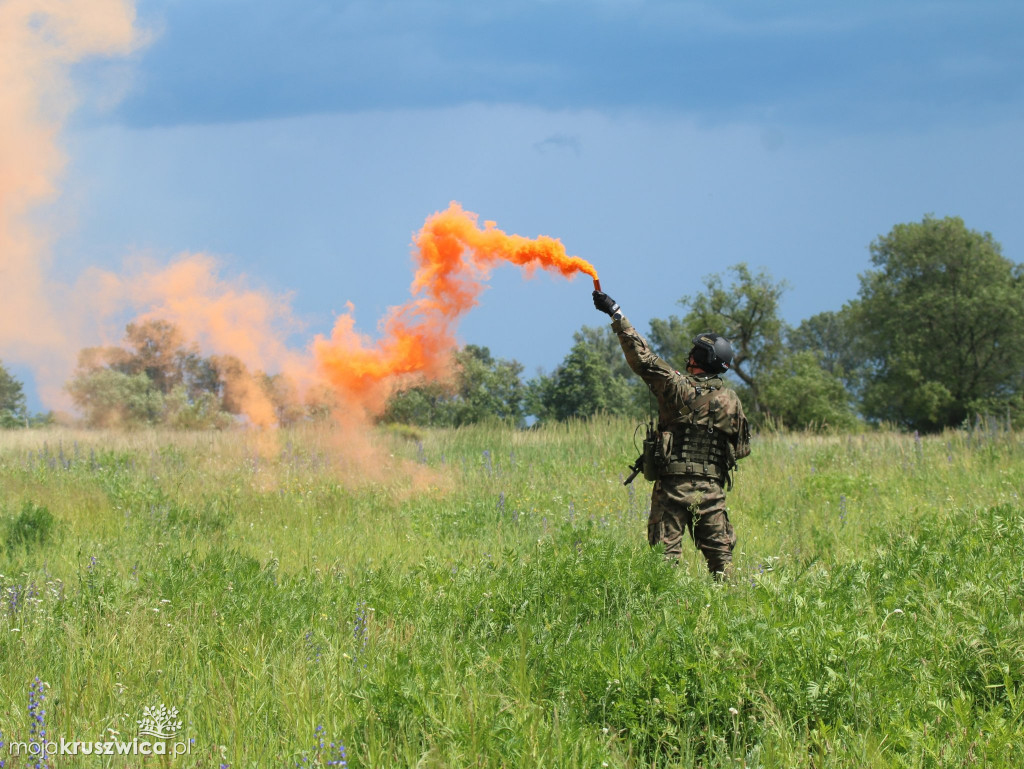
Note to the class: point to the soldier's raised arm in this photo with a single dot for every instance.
(639, 355)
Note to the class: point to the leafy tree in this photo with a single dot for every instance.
(832, 337)
(484, 388)
(941, 322)
(746, 312)
(488, 387)
(155, 376)
(158, 349)
(161, 377)
(198, 412)
(13, 412)
(802, 393)
(111, 398)
(605, 342)
(820, 377)
(427, 405)
(581, 386)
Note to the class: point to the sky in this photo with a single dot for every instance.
(303, 144)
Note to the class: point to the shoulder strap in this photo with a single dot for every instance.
(693, 405)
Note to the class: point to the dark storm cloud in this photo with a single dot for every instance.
(868, 63)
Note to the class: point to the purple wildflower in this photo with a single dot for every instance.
(37, 721)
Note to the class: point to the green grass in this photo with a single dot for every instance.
(485, 598)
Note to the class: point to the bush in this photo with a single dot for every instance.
(34, 525)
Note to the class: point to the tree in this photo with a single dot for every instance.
(427, 404)
(488, 387)
(163, 378)
(821, 377)
(941, 323)
(484, 388)
(745, 312)
(158, 349)
(155, 376)
(831, 336)
(802, 393)
(581, 386)
(199, 412)
(13, 412)
(605, 342)
(111, 398)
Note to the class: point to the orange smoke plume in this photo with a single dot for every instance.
(39, 41)
(45, 321)
(224, 316)
(453, 256)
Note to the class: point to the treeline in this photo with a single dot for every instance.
(157, 376)
(934, 337)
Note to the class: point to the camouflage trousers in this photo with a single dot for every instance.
(680, 503)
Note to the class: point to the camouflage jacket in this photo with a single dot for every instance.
(675, 392)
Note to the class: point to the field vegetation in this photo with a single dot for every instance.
(484, 597)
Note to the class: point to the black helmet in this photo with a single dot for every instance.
(712, 352)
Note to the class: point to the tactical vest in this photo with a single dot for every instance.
(699, 450)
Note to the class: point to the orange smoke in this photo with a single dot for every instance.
(224, 316)
(447, 274)
(46, 321)
(39, 41)
(454, 256)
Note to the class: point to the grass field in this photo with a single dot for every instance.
(486, 598)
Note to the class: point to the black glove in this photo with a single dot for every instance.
(605, 303)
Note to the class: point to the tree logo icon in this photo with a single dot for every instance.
(159, 722)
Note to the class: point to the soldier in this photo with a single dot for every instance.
(702, 432)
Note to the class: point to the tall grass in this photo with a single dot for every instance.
(487, 599)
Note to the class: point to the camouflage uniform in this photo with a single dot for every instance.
(690, 495)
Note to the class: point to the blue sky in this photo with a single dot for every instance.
(304, 143)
